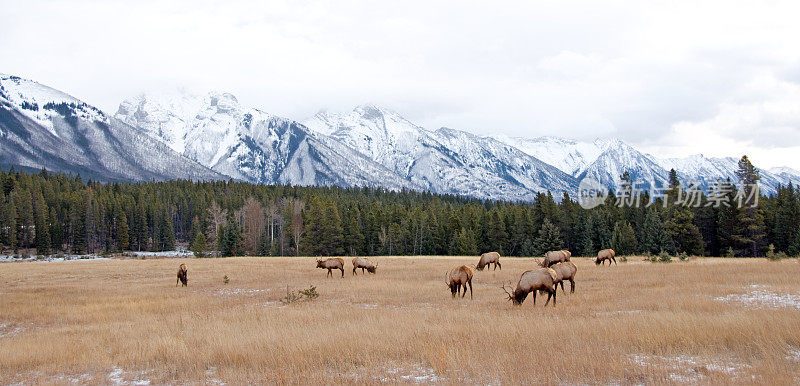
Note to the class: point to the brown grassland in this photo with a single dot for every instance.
(123, 321)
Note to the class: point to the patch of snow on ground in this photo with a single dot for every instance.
(793, 354)
(417, 374)
(762, 298)
(117, 377)
(177, 253)
(687, 369)
(6, 331)
(241, 291)
(12, 259)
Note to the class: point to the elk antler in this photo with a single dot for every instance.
(503, 287)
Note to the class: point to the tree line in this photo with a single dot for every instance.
(48, 213)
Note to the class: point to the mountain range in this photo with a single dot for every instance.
(212, 136)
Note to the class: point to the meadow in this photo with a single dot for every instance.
(718, 321)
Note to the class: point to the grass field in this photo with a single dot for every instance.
(125, 322)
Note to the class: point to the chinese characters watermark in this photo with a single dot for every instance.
(592, 193)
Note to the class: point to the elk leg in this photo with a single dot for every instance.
(498, 265)
(572, 286)
(534, 298)
(470, 289)
(342, 268)
(562, 287)
(615, 261)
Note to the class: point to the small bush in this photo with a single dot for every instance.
(623, 258)
(730, 253)
(664, 257)
(225, 279)
(296, 296)
(771, 255)
(683, 256)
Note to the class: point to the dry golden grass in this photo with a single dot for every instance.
(125, 321)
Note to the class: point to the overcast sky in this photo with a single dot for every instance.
(720, 78)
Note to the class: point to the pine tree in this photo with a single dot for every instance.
(655, 239)
(464, 243)
(199, 245)
(41, 224)
(787, 212)
(623, 239)
(496, 234)
(123, 232)
(353, 238)
(549, 238)
(750, 216)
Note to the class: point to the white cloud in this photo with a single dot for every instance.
(715, 77)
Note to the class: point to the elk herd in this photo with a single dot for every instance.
(554, 269)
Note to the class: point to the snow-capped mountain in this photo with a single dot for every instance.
(41, 127)
(442, 161)
(252, 145)
(212, 136)
(606, 159)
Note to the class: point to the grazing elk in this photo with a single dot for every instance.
(182, 276)
(565, 271)
(554, 257)
(457, 278)
(330, 264)
(542, 280)
(606, 254)
(363, 263)
(568, 253)
(487, 259)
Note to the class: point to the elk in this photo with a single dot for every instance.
(568, 253)
(182, 275)
(457, 278)
(363, 263)
(606, 254)
(487, 259)
(330, 264)
(565, 271)
(542, 280)
(554, 257)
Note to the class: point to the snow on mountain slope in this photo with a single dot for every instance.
(247, 143)
(786, 175)
(444, 161)
(44, 128)
(571, 157)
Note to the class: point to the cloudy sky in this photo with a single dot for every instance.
(720, 78)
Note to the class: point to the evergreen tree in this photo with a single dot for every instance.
(123, 232)
(199, 245)
(787, 212)
(549, 238)
(655, 239)
(496, 234)
(323, 235)
(750, 216)
(464, 243)
(623, 239)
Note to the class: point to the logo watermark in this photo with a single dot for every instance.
(592, 193)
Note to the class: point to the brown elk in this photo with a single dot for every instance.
(554, 257)
(541, 280)
(568, 253)
(487, 259)
(363, 263)
(330, 264)
(457, 278)
(606, 254)
(565, 271)
(183, 276)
